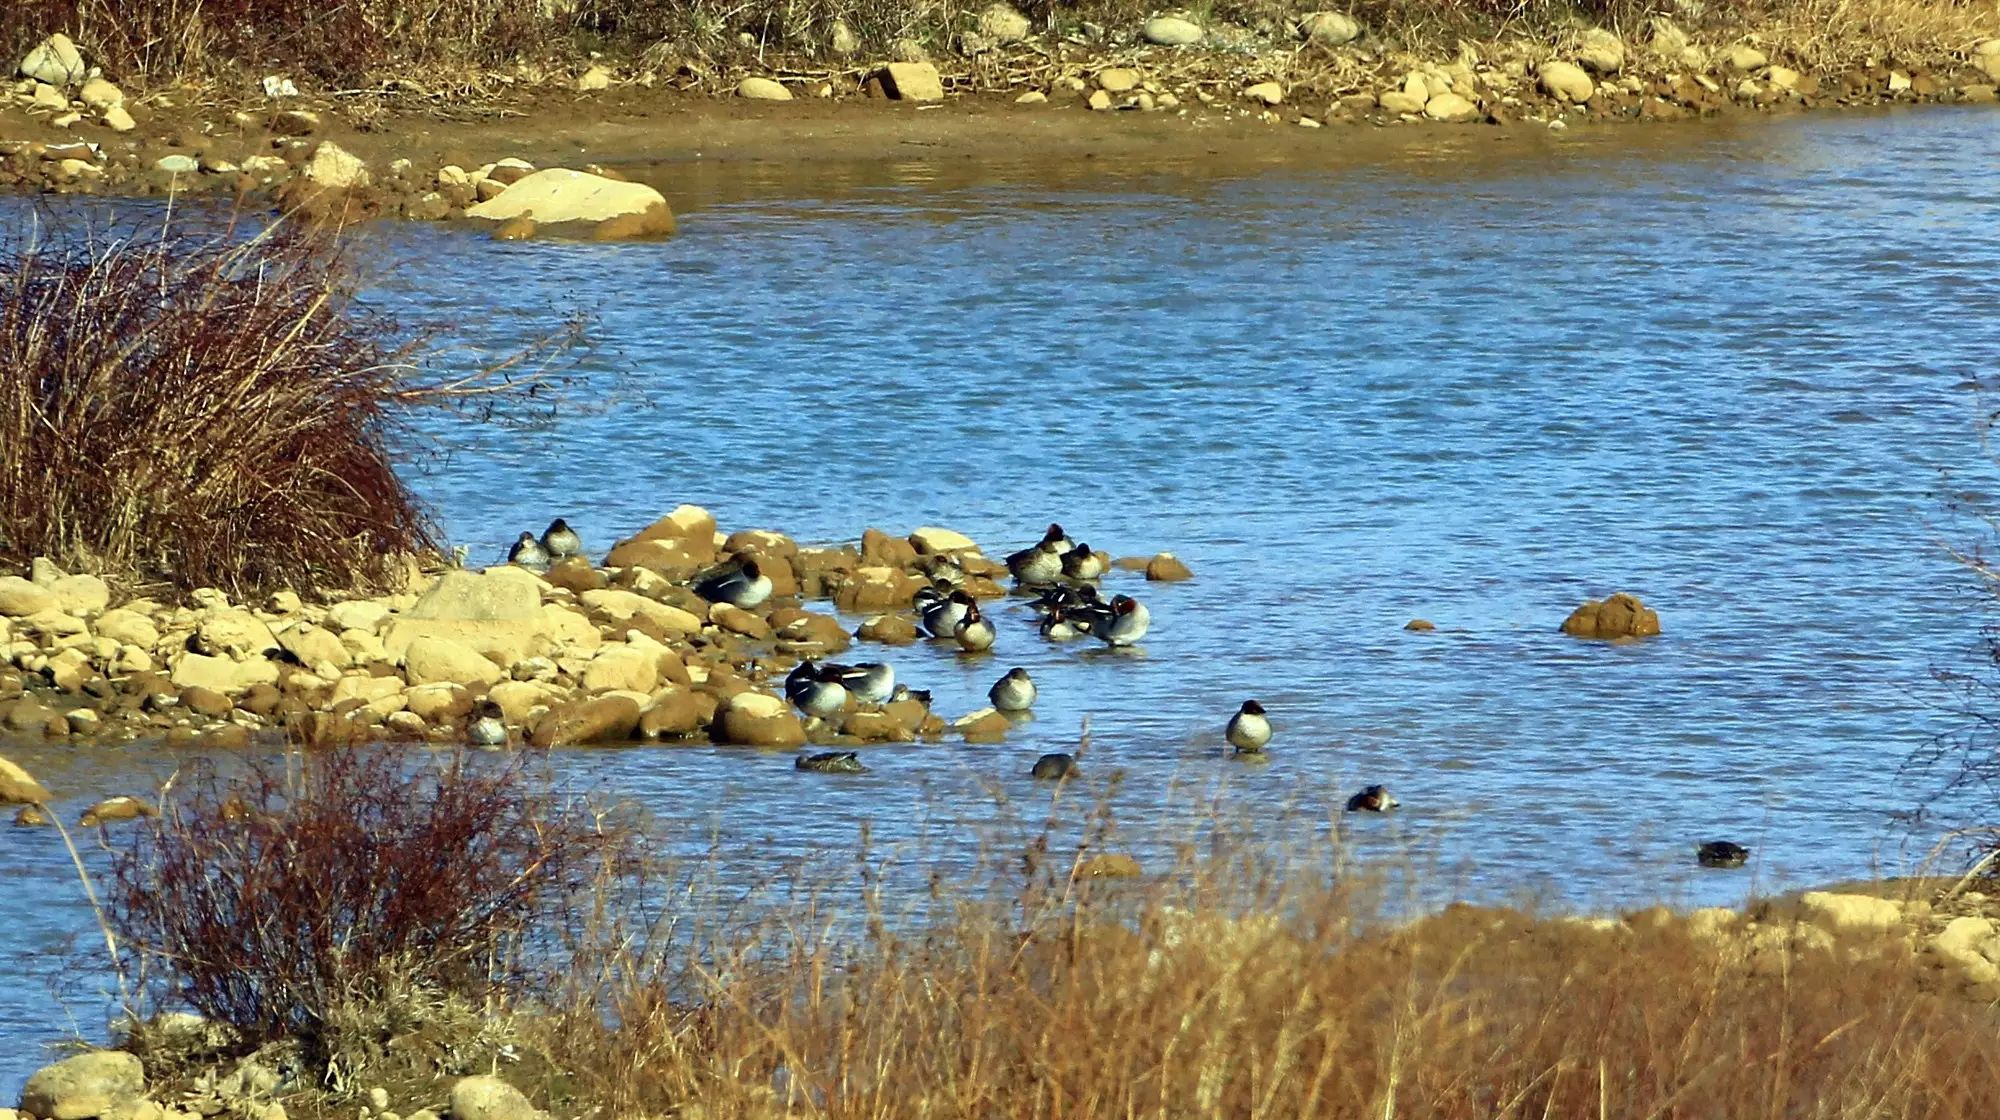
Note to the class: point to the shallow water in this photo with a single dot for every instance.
(1721, 367)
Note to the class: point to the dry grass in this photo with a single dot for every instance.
(199, 409)
(1830, 36)
(1239, 981)
(330, 40)
(356, 41)
(1199, 994)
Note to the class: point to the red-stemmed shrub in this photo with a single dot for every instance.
(345, 899)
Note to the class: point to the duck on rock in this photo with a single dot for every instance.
(560, 541)
(487, 726)
(871, 682)
(528, 553)
(741, 584)
(815, 691)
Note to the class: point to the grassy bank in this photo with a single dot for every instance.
(376, 922)
(354, 40)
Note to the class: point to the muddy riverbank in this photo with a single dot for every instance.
(1324, 90)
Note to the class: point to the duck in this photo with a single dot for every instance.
(1248, 729)
(1038, 565)
(1054, 535)
(1014, 692)
(487, 726)
(120, 808)
(1122, 623)
(974, 633)
(1064, 596)
(739, 584)
(1084, 565)
(818, 694)
(871, 682)
(528, 553)
(1056, 626)
(831, 762)
(944, 614)
(1374, 799)
(560, 541)
(905, 692)
(1054, 767)
(1721, 853)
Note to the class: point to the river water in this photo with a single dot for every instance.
(1731, 368)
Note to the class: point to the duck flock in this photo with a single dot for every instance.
(1063, 575)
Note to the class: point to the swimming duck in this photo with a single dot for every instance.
(1014, 692)
(974, 633)
(1037, 566)
(1721, 853)
(1054, 767)
(1248, 729)
(560, 541)
(742, 585)
(1374, 799)
(831, 762)
(1123, 623)
(944, 614)
(871, 682)
(1084, 565)
(529, 553)
(487, 726)
(818, 694)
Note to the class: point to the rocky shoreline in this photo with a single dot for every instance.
(583, 654)
(65, 127)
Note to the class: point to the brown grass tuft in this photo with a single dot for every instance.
(196, 411)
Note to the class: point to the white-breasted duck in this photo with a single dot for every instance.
(817, 693)
(1374, 799)
(560, 541)
(1122, 623)
(905, 692)
(1056, 626)
(871, 682)
(943, 615)
(1249, 729)
(487, 725)
(1084, 564)
(529, 553)
(974, 633)
(1037, 566)
(1014, 692)
(739, 583)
